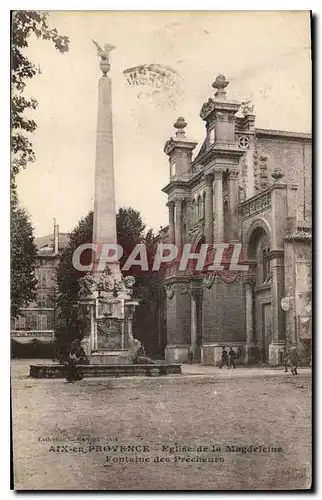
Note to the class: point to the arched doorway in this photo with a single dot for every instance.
(258, 249)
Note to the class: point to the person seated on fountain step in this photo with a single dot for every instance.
(140, 357)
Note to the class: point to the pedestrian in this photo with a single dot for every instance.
(73, 373)
(190, 355)
(231, 358)
(224, 358)
(286, 360)
(294, 361)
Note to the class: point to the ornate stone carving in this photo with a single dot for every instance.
(129, 283)
(249, 280)
(180, 125)
(241, 194)
(197, 168)
(209, 178)
(243, 142)
(208, 281)
(220, 83)
(169, 145)
(107, 281)
(104, 55)
(184, 288)
(277, 174)
(228, 276)
(260, 170)
(196, 230)
(170, 291)
(233, 174)
(207, 108)
(247, 108)
(220, 117)
(254, 206)
(87, 286)
(219, 172)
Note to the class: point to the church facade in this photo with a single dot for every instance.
(248, 187)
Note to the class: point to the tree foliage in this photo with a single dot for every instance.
(24, 25)
(23, 249)
(23, 257)
(67, 276)
(130, 231)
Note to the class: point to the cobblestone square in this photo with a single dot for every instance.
(130, 428)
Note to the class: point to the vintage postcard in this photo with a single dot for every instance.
(161, 250)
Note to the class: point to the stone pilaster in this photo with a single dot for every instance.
(219, 206)
(178, 223)
(178, 320)
(209, 224)
(279, 210)
(193, 322)
(233, 203)
(278, 316)
(252, 354)
(171, 205)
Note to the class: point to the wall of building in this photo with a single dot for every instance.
(294, 158)
(223, 313)
(178, 319)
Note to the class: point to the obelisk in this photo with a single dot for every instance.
(104, 224)
(105, 296)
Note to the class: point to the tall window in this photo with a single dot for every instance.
(42, 322)
(20, 323)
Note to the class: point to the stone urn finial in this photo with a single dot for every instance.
(277, 174)
(180, 125)
(220, 83)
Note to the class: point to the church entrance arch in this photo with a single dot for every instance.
(258, 252)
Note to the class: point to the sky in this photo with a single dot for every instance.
(264, 55)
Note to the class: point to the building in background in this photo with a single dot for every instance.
(33, 331)
(250, 186)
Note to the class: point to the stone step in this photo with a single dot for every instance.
(148, 370)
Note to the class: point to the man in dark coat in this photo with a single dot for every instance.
(294, 361)
(231, 358)
(73, 373)
(224, 358)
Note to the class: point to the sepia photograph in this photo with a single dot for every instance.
(161, 250)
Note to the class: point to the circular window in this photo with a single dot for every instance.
(243, 142)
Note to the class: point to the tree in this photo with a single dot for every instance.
(23, 258)
(67, 280)
(130, 231)
(23, 249)
(24, 25)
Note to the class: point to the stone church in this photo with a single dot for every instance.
(253, 187)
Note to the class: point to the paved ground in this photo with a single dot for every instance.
(60, 431)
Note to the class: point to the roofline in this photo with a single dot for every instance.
(282, 134)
